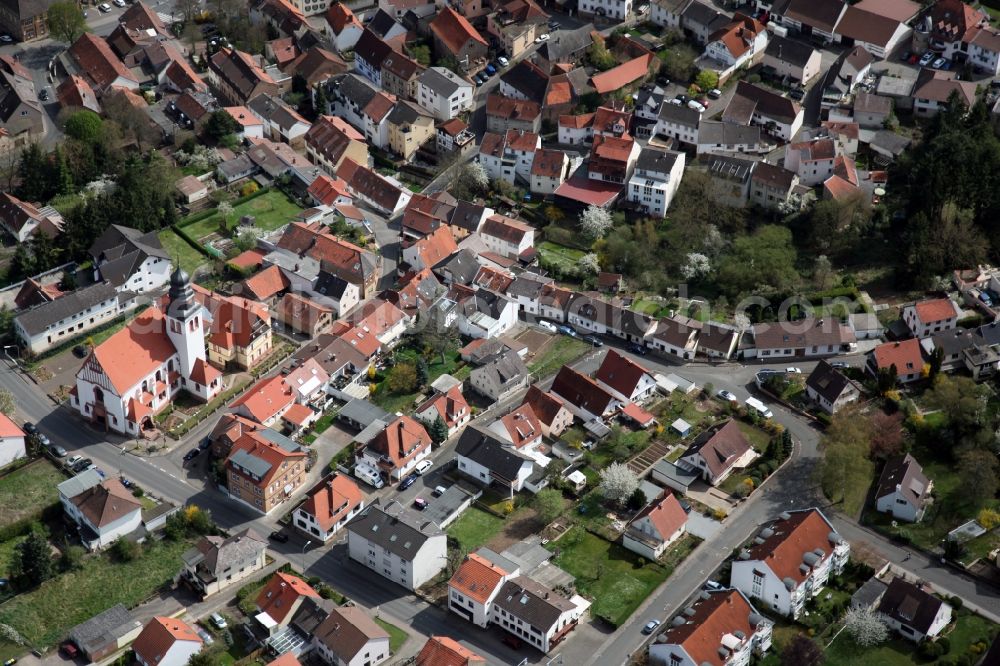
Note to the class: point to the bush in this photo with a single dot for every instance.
(945, 644)
(124, 550)
(930, 650)
(248, 189)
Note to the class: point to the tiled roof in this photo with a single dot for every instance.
(549, 163)
(905, 355)
(280, 594)
(266, 283)
(346, 631)
(135, 352)
(939, 309)
(665, 514)
(720, 447)
(97, 62)
(802, 532)
(331, 137)
(332, 499)
(622, 75)
(522, 425)
(577, 121)
(445, 651)
(106, 502)
(454, 30)
(401, 440)
(620, 372)
(724, 613)
(477, 578)
(510, 108)
(365, 181)
(827, 381)
(903, 473)
(265, 398)
(910, 605)
(739, 35)
(157, 637)
(545, 406)
(581, 391)
(450, 406)
(8, 428)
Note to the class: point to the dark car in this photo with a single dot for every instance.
(906, 56)
(43, 95)
(79, 351)
(205, 443)
(280, 537)
(637, 349)
(82, 465)
(191, 455)
(797, 93)
(840, 365)
(29, 428)
(683, 99)
(420, 503)
(408, 481)
(125, 482)
(592, 339)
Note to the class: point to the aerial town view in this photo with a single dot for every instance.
(500, 332)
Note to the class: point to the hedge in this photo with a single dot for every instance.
(211, 254)
(197, 217)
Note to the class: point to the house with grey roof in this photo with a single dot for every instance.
(791, 58)
(397, 543)
(444, 93)
(20, 111)
(130, 259)
(105, 633)
(829, 388)
(216, 563)
(730, 178)
(536, 614)
(488, 459)
(903, 490)
(500, 377)
(71, 316)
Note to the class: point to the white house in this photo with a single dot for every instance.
(717, 452)
(397, 449)
(102, 509)
(576, 130)
(348, 637)
(613, 9)
(790, 561)
(397, 544)
(483, 456)
(719, 627)
(584, 397)
(912, 611)
(925, 318)
(345, 28)
(677, 121)
(130, 259)
(506, 236)
(903, 490)
(70, 316)
(520, 428)
(536, 614)
(831, 389)
(328, 507)
(676, 336)
(737, 43)
(779, 116)
(984, 50)
(655, 180)
(475, 585)
(792, 58)
(812, 161)
(624, 378)
(444, 93)
(166, 641)
(549, 169)
(11, 441)
(667, 13)
(486, 315)
(451, 406)
(659, 524)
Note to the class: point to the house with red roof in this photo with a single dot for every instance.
(138, 371)
(906, 356)
(264, 468)
(626, 379)
(431, 250)
(954, 25)
(98, 64)
(455, 37)
(329, 191)
(398, 448)
(450, 406)
(844, 183)
(239, 77)
(736, 44)
(446, 651)
(345, 28)
(628, 73)
(583, 396)
(928, 317)
(722, 628)
(520, 427)
(367, 186)
(239, 332)
(166, 641)
(266, 401)
(475, 584)
(550, 410)
(659, 524)
(328, 506)
(515, 25)
(11, 441)
(790, 561)
(280, 598)
(717, 452)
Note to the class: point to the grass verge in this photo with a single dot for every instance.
(397, 637)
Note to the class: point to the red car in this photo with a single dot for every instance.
(914, 59)
(69, 650)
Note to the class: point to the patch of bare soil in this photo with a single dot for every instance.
(520, 525)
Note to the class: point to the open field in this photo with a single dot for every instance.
(25, 492)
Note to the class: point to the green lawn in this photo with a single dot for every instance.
(45, 614)
(396, 635)
(404, 402)
(180, 252)
(474, 528)
(270, 210)
(609, 574)
(560, 351)
(7, 554)
(553, 254)
(25, 492)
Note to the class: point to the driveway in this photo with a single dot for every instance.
(702, 526)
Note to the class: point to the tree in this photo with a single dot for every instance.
(588, 264)
(866, 626)
(978, 470)
(548, 504)
(6, 320)
(696, 267)
(71, 558)
(423, 374)
(679, 62)
(125, 550)
(32, 563)
(554, 213)
(246, 240)
(188, 9)
(470, 181)
(636, 500)
(320, 102)
(32, 171)
(618, 483)
(600, 57)
(438, 430)
(936, 359)
(846, 472)
(225, 211)
(439, 339)
(801, 651)
(219, 124)
(886, 379)
(402, 378)
(8, 403)
(134, 122)
(707, 79)
(887, 434)
(66, 21)
(203, 658)
(596, 222)
(763, 263)
(963, 402)
(420, 52)
(84, 125)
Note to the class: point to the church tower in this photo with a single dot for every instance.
(184, 324)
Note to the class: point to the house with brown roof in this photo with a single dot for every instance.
(410, 126)
(280, 599)
(520, 427)
(239, 335)
(371, 188)
(829, 388)
(954, 24)
(790, 561)
(264, 468)
(331, 140)
(720, 628)
(927, 317)
(455, 37)
(166, 641)
(237, 77)
(103, 510)
(304, 315)
(913, 611)
(23, 220)
(317, 66)
(215, 563)
(661, 523)
(397, 449)
(328, 507)
(772, 186)
(583, 396)
(515, 25)
(934, 88)
(805, 338)
(717, 452)
(818, 16)
(20, 110)
(75, 91)
(348, 637)
(345, 28)
(626, 74)
(446, 651)
(626, 379)
(450, 406)
(548, 615)
(736, 44)
(97, 63)
(400, 74)
(509, 113)
(779, 116)
(550, 410)
(613, 159)
(903, 491)
(871, 29)
(476, 583)
(812, 160)
(549, 170)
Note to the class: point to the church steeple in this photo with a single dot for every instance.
(184, 325)
(182, 303)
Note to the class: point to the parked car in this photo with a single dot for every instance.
(58, 451)
(592, 339)
(69, 650)
(104, 7)
(695, 106)
(73, 461)
(119, 3)
(684, 99)
(547, 325)
(650, 627)
(43, 95)
(567, 330)
(126, 482)
(82, 465)
(420, 503)
(491, 70)
(947, 66)
(29, 428)
(544, 37)
(797, 93)
(191, 455)
(793, 371)
(6, 39)
(408, 480)
(715, 93)
(938, 64)
(926, 59)
(43, 440)
(512, 641)
(503, 61)
(217, 621)
(840, 365)
(727, 395)
(205, 442)
(278, 536)
(79, 351)
(438, 491)
(423, 466)
(914, 59)
(637, 349)
(906, 55)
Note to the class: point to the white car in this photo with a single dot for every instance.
(794, 371)
(542, 38)
(503, 61)
(726, 395)
(119, 3)
(939, 63)
(696, 106)
(423, 466)
(217, 621)
(6, 39)
(104, 7)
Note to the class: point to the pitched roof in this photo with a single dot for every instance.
(98, 63)
(400, 441)
(368, 183)
(37, 319)
(159, 635)
(477, 578)
(395, 528)
(316, 65)
(766, 103)
(215, 554)
(532, 603)
(935, 310)
(718, 615)
(280, 593)
(8, 428)
(134, 352)
(910, 605)
(828, 382)
(581, 391)
(793, 536)
(106, 502)
(510, 108)
(240, 71)
(906, 355)
(346, 631)
(454, 30)
(865, 26)
(739, 35)
(266, 398)
(789, 50)
(528, 79)
(522, 425)
(622, 75)
(937, 86)
(579, 121)
(332, 499)
(76, 91)
(266, 283)
(903, 473)
(491, 452)
(805, 333)
(822, 14)
(620, 372)
(900, 10)
(445, 651)
(549, 163)
(543, 404)
(665, 514)
(720, 446)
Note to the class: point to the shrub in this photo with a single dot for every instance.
(988, 518)
(248, 189)
(930, 650)
(719, 514)
(945, 644)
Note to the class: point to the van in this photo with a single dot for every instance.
(547, 326)
(369, 475)
(756, 405)
(694, 105)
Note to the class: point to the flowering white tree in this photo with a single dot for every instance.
(741, 321)
(588, 264)
(596, 221)
(618, 482)
(866, 626)
(696, 266)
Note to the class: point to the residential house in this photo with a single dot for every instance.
(752, 104)
(844, 184)
(509, 157)
(818, 17)
(730, 178)
(56, 322)
(612, 159)
(95, 62)
(913, 612)
(280, 600)
(772, 186)
(328, 507)
(678, 122)
(629, 73)
(363, 105)
(525, 80)
(831, 389)
(304, 315)
(483, 313)
(308, 381)
(879, 34)
(215, 563)
(812, 161)
(397, 449)
(549, 170)
(790, 561)
(316, 66)
(736, 44)
(953, 25)
(903, 490)
(106, 633)
(718, 340)
(348, 637)
(345, 28)
(536, 614)
(583, 396)
(282, 122)
(905, 356)
(872, 111)
(716, 137)
(515, 25)
(506, 236)
(450, 406)
(934, 88)
(485, 457)
(264, 469)
(418, 9)
(430, 250)
(718, 451)
(676, 336)
(25, 21)
(720, 627)
(444, 93)
(75, 91)
(103, 511)
(616, 10)
(655, 181)
(476, 583)
(500, 377)
(444, 650)
(11, 441)
(371, 51)
(397, 543)
(576, 130)
(455, 37)
(809, 337)
(847, 73)
(372, 189)
(661, 523)
(510, 113)
(400, 74)
(624, 378)
(239, 331)
(266, 401)
(20, 111)
(984, 50)
(330, 141)
(667, 13)
(454, 138)
(550, 410)
(797, 60)
(925, 318)
(410, 128)
(238, 78)
(166, 641)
